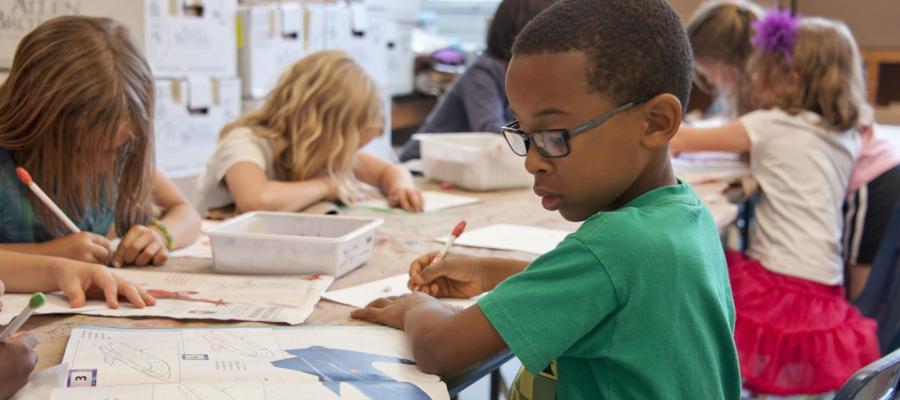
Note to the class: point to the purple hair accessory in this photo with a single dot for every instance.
(776, 33)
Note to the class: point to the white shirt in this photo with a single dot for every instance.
(803, 171)
(239, 145)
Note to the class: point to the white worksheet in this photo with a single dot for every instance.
(361, 295)
(287, 299)
(528, 239)
(244, 363)
(434, 201)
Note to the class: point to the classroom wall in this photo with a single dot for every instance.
(873, 22)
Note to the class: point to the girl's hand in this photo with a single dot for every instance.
(81, 246)
(80, 281)
(141, 246)
(331, 188)
(406, 197)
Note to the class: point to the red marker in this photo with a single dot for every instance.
(25, 177)
(457, 230)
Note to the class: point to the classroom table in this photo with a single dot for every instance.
(402, 238)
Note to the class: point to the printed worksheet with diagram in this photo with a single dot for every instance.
(244, 363)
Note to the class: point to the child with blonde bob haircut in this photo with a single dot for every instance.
(795, 331)
(77, 112)
(303, 145)
(720, 32)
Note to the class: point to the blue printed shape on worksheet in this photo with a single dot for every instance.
(335, 366)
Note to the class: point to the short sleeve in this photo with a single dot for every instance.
(241, 145)
(760, 124)
(544, 310)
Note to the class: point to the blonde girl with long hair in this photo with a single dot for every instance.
(303, 145)
(77, 112)
(795, 331)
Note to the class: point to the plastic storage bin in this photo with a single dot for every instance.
(291, 243)
(474, 161)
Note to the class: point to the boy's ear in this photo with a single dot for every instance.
(663, 118)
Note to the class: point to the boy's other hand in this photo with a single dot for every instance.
(81, 246)
(391, 311)
(141, 246)
(17, 360)
(80, 281)
(458, 276)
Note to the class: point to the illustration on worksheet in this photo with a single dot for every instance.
(136, 359)
(221, 341)
(204, 392)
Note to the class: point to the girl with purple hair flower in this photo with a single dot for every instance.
(795, 332)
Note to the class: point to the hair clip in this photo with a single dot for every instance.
(776, 32)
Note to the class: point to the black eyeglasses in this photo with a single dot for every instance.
(553, 143)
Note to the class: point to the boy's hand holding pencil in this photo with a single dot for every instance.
(457, 276)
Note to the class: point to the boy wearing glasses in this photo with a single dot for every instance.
(637, 302)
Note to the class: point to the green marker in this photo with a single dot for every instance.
(37, 300)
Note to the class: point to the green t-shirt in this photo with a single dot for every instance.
(636, 304)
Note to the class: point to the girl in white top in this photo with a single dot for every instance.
(303, 145)
(795, 331)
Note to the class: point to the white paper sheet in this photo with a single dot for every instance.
(244, 363)
(528, 239)
(361, 295)
(434, 201)
(289, 299)
(42, 383)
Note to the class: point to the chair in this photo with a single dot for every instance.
(876, 381)
(880, 299)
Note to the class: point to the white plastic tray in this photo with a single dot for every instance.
(473, 161)
(291, 243)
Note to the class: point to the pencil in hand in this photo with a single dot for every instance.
(457, 230)
(25, 177)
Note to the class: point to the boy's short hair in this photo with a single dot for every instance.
(636, 48)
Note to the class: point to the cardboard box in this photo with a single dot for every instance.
(190, 113)
(271, 39)
(179, 37)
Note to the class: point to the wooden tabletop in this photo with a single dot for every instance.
(402, 238)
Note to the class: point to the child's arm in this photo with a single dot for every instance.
(17, 360)
(395, 181)
(25, 273)
(444, 338)
(83, 246)
(253, 191)
(731, 137)
(143, 245)
(178, 215)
